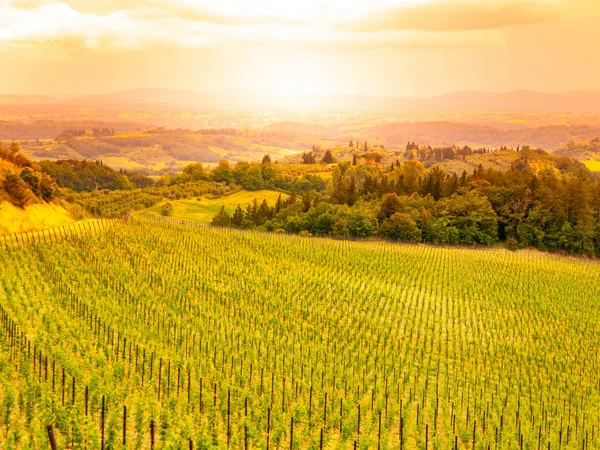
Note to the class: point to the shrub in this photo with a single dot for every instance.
(18, 191)
(401, 227)
(167, 209)
(512, 244)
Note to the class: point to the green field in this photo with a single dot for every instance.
(242, 339)
(206, 208)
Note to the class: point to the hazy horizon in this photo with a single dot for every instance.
(262, 91)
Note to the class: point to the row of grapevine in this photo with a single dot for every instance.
(238, 339)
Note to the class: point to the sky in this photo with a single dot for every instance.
(410, 48)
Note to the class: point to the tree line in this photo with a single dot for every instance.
(549, 209)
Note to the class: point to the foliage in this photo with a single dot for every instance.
(208, 332)
(401, 227)
(120, 202)
(29, 185)
(166, 209)
(85, 176)
(17, 190)
(548, 210)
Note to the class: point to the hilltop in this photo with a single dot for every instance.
(454, 159)
(453, 133)
(155, 150)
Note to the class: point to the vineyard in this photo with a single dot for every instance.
(152, 333)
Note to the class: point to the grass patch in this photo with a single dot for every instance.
(592, 165)
(32, 218)
(121, 162)
(205, 209)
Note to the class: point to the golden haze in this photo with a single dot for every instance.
(381, 47)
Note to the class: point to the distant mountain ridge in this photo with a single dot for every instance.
(583, 101)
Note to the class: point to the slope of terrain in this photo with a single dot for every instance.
(224, 338)
(160, 150)
(32, 217)
(203, 209)
(593, 165)
(36, 216)
(506, 159)
(582, 150)
(453, 133)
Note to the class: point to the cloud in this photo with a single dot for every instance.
(60, 23)
(458, 15)
(111, 25)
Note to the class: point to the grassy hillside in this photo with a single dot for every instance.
(162, 150)
(203, 209)
(593, 165)
(581, 150)
(454, 133)
(36, 215)
(503, 160)
(22, 182)
(33, 217)
(216, 336)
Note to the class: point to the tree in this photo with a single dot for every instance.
(412, 171)
(223, 172)
(328, 158)
(354, 160)
(48, 188)
(401, 227)
(390, 205)
(361, 223)
(351, 144)
(222, 218)
(266, 159)
(308, 158)
(352, 193)
(238, 217)
(268, 174)
(473, 216)
(320, 220)
(340, 191)
(278, 204)
(194, 172)
(30, 177)
(292, 199)
(18, 191)
(166, 209)
(366, 147)
(340, 228)
(264, 212)
(306, 202)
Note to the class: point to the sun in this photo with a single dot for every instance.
(296, 78)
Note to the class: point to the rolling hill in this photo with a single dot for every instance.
(450, 133)
(243, 99)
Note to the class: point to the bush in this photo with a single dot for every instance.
(166, 209)
(401, 227)
(17, 190)
(512, 244)
(361, 224)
